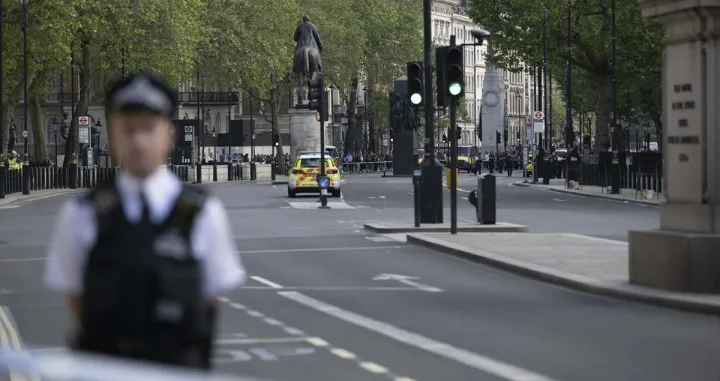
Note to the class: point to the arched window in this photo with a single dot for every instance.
(217, 122)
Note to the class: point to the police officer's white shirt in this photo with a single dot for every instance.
(212, 243)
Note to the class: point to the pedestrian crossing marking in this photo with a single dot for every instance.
(315, 205)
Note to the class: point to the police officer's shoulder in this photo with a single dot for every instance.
(103, 197)
(193, 195)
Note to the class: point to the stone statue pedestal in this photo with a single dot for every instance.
(684, 254)
(304, 131)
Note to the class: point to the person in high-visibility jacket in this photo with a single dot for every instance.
(13, 164)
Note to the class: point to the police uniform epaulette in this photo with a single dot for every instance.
(103, 197)
(189, 204)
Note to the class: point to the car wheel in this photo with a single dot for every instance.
(337, 193)
(291, 193)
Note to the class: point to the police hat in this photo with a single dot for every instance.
(141, 93)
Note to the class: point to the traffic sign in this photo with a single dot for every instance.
(539, 115)
(84, 120)
(529, 119)
(24, 134)
(188, 129)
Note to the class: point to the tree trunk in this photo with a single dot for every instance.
(275, 128)
(36, 120)
(71, 145)
(354, 135)
(9, 111)
(603, 113)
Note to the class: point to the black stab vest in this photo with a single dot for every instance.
(142, 295)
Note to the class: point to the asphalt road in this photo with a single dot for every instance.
(317, 307)
(541, 210)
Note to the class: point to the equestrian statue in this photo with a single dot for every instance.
(307, 62)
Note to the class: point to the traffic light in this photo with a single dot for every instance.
(497, 136)
(445, 138)
(505, 136)
(454, 75)
(415, 82)
(517, 136)
(317, 98)
(440, 54)
(276, 139)
(458, 132)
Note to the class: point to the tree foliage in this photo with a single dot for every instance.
(243, 45)
(517, 30)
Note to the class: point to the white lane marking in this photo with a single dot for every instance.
(558, 200)
(591, 238)
(382, 196)
(256, 314)
(293, 331)
(260, 341)
(373, 368)
(408, 281)
(372, 198)
(316, 249)
(343, 354)
(411, 193)
(463, 190)
(24, 259)
(254, 252)
(318, 342)
(400, 237)
(272, 322)
(265, 281)
(464, 198)
(238, 306)
(379, 239)
(488, 365)
(328, 288)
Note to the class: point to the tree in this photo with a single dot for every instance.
(591, 49)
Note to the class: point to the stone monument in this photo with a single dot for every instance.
(307, 63)
(493, 113)
(684, 254)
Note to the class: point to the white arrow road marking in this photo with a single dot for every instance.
(408, 281)
(477, 361)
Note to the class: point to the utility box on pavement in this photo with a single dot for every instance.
(486, 199)
(448, 178)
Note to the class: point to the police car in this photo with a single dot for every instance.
(303, 175)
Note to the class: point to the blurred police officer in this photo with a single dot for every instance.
(142, 258)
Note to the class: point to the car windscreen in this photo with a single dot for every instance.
(312, 163)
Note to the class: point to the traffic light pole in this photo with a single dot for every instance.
(453, 166)
(323, 192)
(431, 184)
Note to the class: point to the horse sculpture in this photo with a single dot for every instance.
(307, 62)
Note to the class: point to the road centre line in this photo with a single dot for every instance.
(474, 360)
(254, 252)
(265, 281)
(320, 249)
(341, 353)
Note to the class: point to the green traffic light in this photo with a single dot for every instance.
(455, 88)
(416, 99)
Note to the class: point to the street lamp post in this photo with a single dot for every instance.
(26, 159)
(615, 178)
(55, 132)
(253, 170)
(568, 84)
(3, 173)
(214, 135)
(96, 131)
(365, 121)
(332, 112)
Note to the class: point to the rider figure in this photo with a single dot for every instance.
(306, 36)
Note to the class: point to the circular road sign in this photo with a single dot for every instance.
(188, 129)
(24, 134)
(323, 182)
(84, 120)
(539, 115)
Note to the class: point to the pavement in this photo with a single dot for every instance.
(625, 195)
(328, 300)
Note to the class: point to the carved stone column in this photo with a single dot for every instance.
(684, 254)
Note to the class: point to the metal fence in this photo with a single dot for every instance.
(45, 178)
(633, 174)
